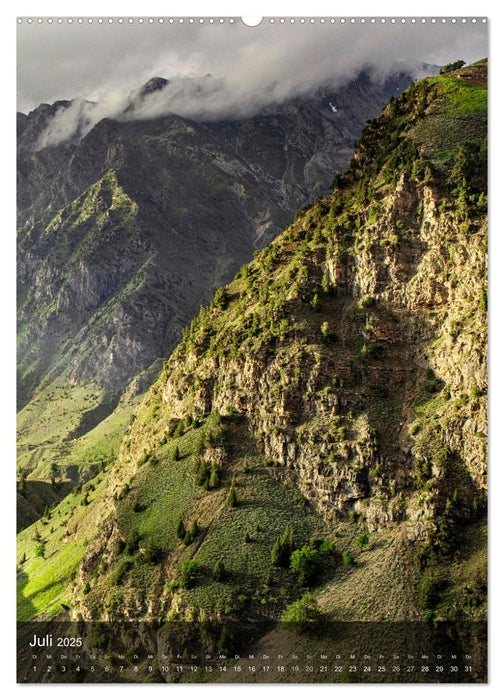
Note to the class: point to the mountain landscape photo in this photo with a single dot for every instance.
(252, 365)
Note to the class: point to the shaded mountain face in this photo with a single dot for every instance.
(124, 232)
(329, 402)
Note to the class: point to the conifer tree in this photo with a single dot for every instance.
(194, 529)
(280, 554)
(232, 499)
(214, 476)
(219, 571)
(201, 472)
(181, 531)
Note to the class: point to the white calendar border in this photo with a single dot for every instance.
(224, 8)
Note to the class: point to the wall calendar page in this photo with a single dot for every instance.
(252, 349)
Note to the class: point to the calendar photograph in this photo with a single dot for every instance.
(251, 350)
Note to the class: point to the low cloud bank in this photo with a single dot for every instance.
(244, 69)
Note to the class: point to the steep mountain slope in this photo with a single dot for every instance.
(34, 498)
(126, 230)
(329, 404)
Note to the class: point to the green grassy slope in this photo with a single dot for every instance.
(43, 579)
(51, 429)
(163, 492)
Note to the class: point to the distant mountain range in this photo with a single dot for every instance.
(128, 226)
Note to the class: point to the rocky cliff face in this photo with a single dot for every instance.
(363, 330)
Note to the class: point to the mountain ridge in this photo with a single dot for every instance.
(331, 400)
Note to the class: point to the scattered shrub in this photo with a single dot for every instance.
(132, 541)
(348, 560)
(325, 332)
(179, 430)
(304, 563)
(428, 591)
(201, 472)
(372, 351)
(302, 612)
(152, 553)
(362, 540)
(327, 548)
(119, 574)
(40, 550)
(189, 572)
(367, 301)
(221, 299)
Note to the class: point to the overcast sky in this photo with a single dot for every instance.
(72, 60)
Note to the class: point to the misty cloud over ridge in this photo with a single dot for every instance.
(204, 98)
(98, 65)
